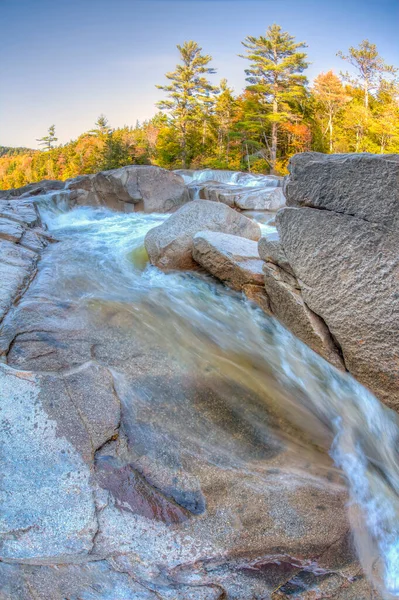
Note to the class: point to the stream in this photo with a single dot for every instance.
(195, 328)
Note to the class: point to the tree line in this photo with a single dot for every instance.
(203, 125)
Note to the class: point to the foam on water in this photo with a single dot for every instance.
(99, 253)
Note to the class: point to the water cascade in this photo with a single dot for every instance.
(99, 267)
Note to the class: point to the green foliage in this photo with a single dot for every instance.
(276, 80)
(48, 140)
(204, 126)
(190, 98)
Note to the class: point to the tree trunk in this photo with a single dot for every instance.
(249, 164)
(366, 94)
(273, 149)
(330, 128)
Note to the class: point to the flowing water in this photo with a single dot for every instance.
(101, 259)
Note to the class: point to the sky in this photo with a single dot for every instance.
(65, 62)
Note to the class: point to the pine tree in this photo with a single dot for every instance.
(101, 127)
(48, 140)
(190, 94)
(330, 97)
(275, 75)
(369, 65)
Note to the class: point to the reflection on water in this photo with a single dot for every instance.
(102, 261)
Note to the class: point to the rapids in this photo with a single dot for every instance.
(101, 261)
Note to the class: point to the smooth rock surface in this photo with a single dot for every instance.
(232, 259)
(169, 245)
(261, 200)
(136, 187)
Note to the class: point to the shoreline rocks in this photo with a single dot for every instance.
(339, 234)
(22, 237)
(170, 245)
(132, 188)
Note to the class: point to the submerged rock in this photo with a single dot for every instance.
(170, 245)
(342, 246)
(136, 187)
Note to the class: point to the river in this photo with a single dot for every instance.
(194, 329)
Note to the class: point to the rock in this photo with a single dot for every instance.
(232, 259)
(271, 250)
(361, 185)
(286, 303)
(197, 495)
(48, 510)
(17, 266)
(146, 188)
(33, 189)
(260, 199)
(348, 271)
(21, 238)
(9, 230)
(20, 211)
(169, 245)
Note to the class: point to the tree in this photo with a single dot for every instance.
(330, 97)
(189, 93)
(225, 109)
(369, 66)
(275, 76)
(101, 127)
(48, 140)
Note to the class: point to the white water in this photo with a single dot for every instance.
(101, 256)
(233, 178)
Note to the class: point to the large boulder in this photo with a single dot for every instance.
(234, 260)
(365, 186)
(170, 245)
(341, 245)
(131, 188)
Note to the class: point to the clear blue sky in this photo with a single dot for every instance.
(67, 61)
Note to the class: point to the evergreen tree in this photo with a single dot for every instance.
(369, 65)
(275, 75)
(48, 140)
(190, 94)
(101, 127)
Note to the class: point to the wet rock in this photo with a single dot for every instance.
(287, 304)
(169, 245)
(47, 503)
(145, 188)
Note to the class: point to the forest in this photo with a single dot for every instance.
(202, 125)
